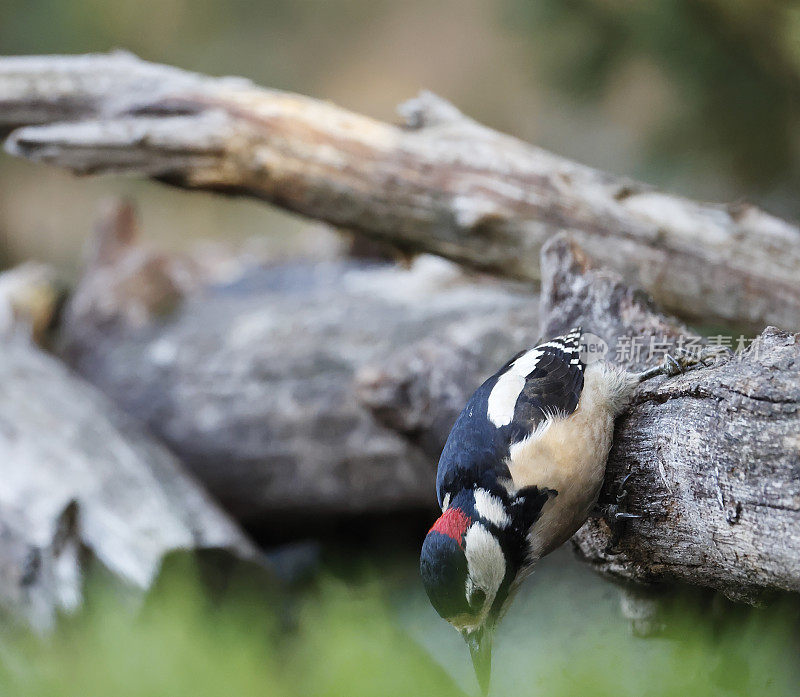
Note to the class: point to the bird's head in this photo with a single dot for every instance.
(469, 562)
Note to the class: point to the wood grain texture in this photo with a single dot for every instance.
(438, 183)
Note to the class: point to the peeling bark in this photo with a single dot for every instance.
(441, 183)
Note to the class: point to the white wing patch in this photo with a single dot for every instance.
(504, 395)
(491, 508)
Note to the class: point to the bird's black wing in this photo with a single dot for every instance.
(535, 385)
(552, 388)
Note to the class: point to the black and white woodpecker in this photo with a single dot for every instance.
(520, 473)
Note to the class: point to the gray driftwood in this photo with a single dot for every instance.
(714, 455)
(252, 383)
(440, 183)
(77, 475)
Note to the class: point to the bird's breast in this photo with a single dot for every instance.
(568, 455)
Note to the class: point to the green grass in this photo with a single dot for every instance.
(353, 636)
(335, 639)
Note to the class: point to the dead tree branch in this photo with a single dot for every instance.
(440, 183)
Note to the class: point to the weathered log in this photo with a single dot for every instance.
(441, 183)
(76, 477)
(714, 454)
(251, 383)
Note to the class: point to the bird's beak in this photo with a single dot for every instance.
(480, 648)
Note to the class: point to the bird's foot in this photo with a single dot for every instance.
(617, 517)
(685, 359)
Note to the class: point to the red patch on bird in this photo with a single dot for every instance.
(453, 523)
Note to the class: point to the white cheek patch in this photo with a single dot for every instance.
(485, 561)
(491, 508)
(446, 502)
(504, 395)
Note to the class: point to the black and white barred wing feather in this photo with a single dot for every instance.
(541, 383)
(533, 387)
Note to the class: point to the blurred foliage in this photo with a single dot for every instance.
(344, 636)
(733, 67)
(186, 641)
(266, 41)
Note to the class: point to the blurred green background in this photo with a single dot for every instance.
(361, 630)
(697, 96)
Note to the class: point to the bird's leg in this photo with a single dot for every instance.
(685, 360)
(616, 516)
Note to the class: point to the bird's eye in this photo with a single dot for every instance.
(477, 598)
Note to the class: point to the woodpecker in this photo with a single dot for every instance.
(519, 474)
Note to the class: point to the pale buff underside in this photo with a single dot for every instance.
(569, 455)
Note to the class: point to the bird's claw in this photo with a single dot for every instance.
(621, 515)
(672, 366)
(622, 492)
(684, 359)
(616, 517)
